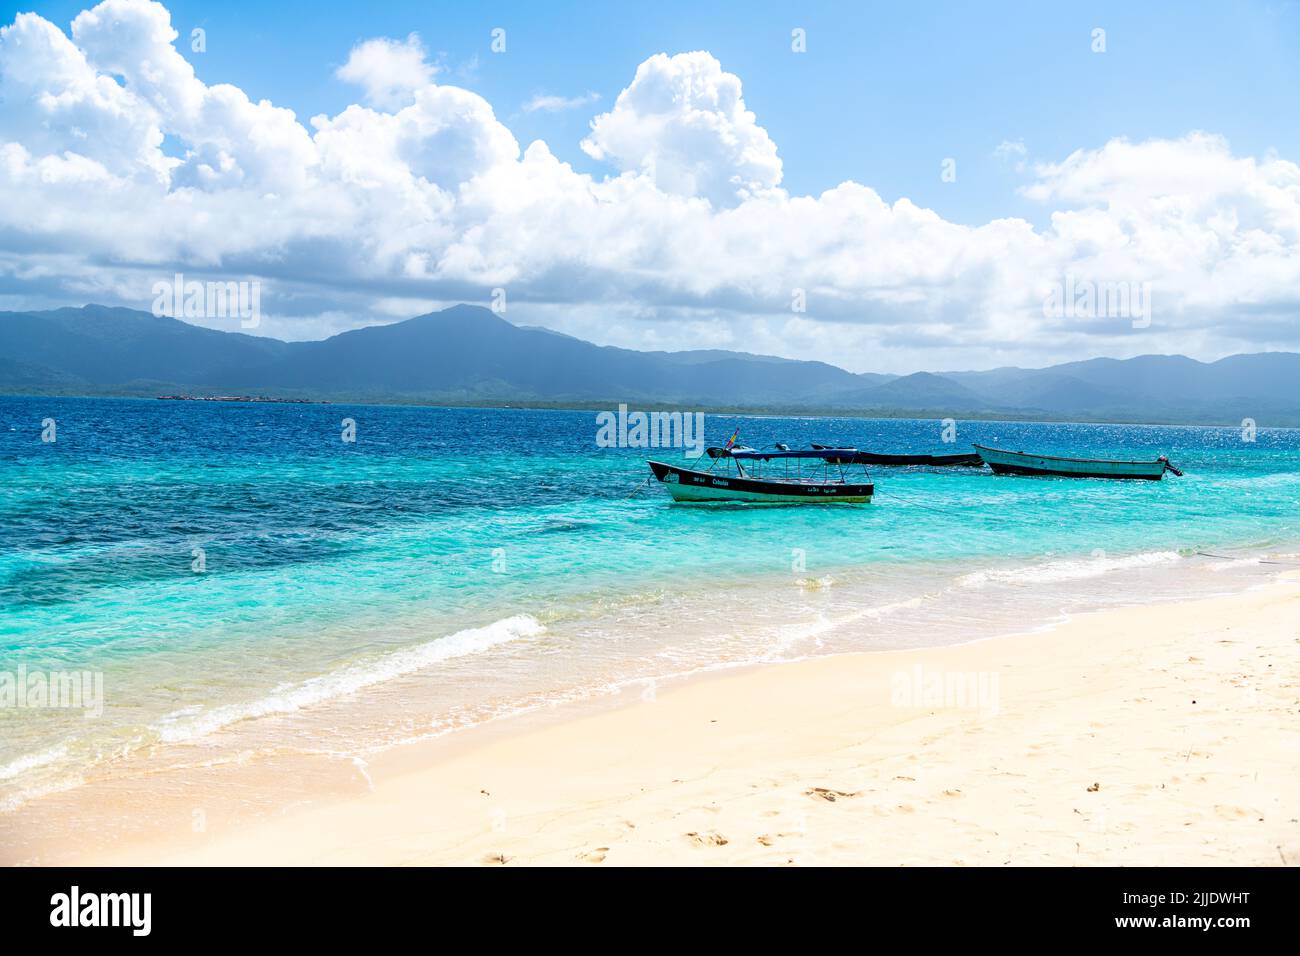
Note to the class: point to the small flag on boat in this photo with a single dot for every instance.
(732, 440)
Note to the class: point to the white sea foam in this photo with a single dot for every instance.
(1231, 563)
(28, 762)
(884, 610)
(794, 634)
(287, 698)
(1066, 570)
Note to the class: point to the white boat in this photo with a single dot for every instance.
(1005, 462)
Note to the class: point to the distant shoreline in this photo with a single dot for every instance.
(781, 411)
(240, 398)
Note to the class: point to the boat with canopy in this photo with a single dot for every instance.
(777, 476)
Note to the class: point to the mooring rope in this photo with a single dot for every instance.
(637, 490)
(1228, 557)
(914, 504)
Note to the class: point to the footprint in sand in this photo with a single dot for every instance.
(707, 839)
(595, 856)
(830, 796)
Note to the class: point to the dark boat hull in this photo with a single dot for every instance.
(1050, 473)
(933, 461)
(1018, 463)
(685, 484)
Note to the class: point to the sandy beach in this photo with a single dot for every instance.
(1160, 735)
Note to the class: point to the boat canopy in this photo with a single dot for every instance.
(750, 454)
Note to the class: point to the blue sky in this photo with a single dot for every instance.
(882, 97)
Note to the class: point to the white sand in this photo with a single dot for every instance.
(1163, 735)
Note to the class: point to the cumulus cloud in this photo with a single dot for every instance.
(390, 71)
(683, 123)
(57, 103)
(119, 166)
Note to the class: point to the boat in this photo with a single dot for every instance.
(1005, 462)
(932, 461)
(779, 476)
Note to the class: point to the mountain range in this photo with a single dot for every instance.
(470, 355)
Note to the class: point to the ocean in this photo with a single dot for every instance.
(242, 580)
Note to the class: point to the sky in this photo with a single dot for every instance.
(885, 187)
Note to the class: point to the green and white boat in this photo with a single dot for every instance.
(781, 477)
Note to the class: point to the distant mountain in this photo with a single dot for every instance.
(104, 346)
(465, 353)
(920, 390)
(1262, 386)
(468, 354)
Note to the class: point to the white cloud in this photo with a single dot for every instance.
(1013, 153)
(422, 195)
(57, 102)
(390, 71)
(556, 104)
(683, 123)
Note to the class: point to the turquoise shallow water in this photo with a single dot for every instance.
(455, 563)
